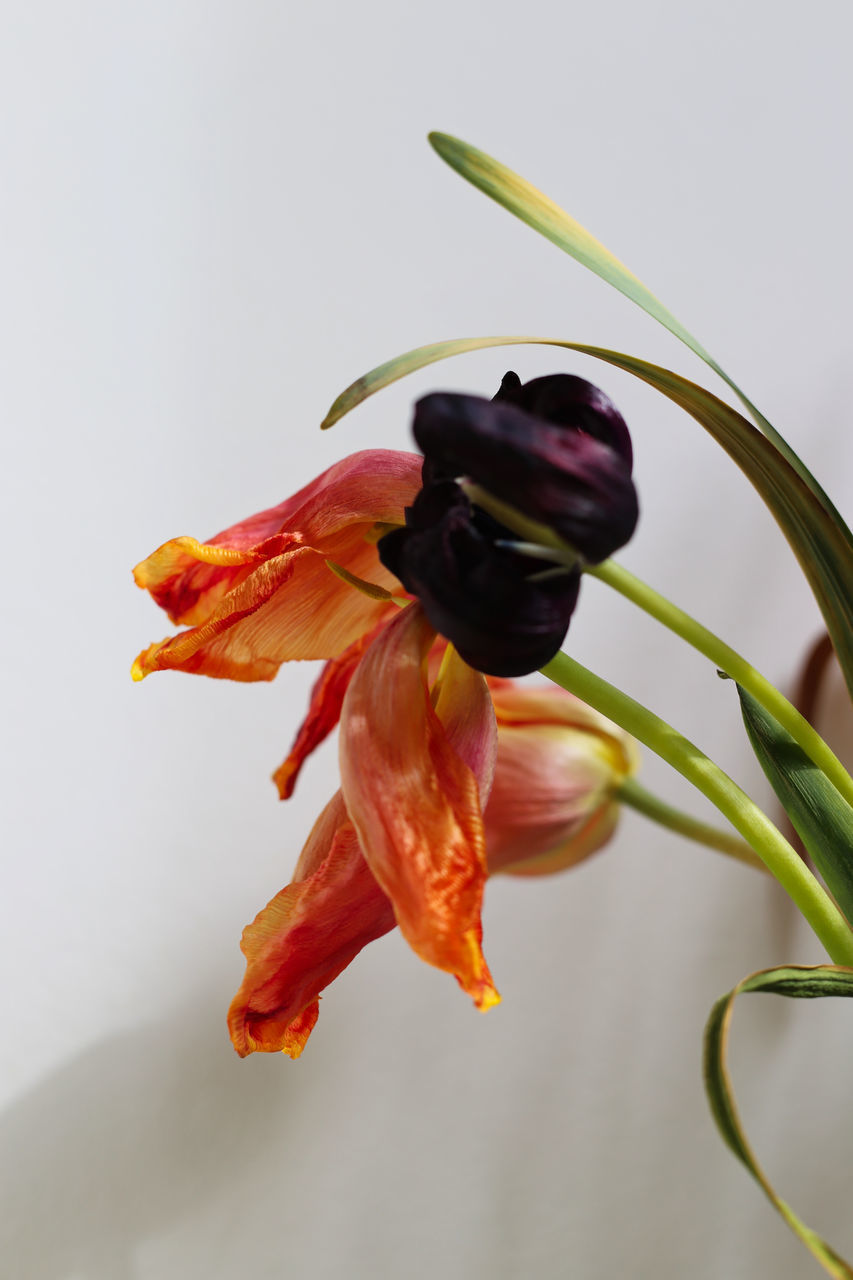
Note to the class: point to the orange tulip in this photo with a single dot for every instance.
(445, 776)
(401, 843)
(404, 841)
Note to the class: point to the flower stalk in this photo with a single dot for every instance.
(631, 793)
(731, 663)
(773, 849)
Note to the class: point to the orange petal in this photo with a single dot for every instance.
(414, 801)
(324, 711)
(305, 937)
(188, 578)
(461, 700)
(260, 593)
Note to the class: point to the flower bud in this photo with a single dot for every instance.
(554, 799)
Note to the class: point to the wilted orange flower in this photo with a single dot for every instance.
(425, 741)
(403, 841)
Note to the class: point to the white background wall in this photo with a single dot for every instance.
(214, 216)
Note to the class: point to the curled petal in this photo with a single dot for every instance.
(487, 600)
(567, 401)
(414, 801)
(561, 475)
(462, 702)
(305, 937)
(256, 604)
(188, 578)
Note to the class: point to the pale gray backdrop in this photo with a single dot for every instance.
(214, 216)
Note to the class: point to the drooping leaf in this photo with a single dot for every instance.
(529, 204)
(821, 816)
(794, 981)
(819, 543)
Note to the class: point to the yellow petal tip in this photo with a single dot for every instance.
(488, 1000)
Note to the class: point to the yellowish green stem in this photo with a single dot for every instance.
(732, 663)
(756, 828)
(631, 793)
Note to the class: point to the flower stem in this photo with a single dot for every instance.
(756, 828)
(730, 662)
(631, 793)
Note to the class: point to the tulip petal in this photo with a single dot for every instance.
(571, 402)
(324, 711)
(519, 704)
(550, 805)
(561, 476)
(463, 704)
(295, 1035)
(260, 593)
(576, 846)
(305, 937)
(188, 578)
(414, 801)
(558, 763)
(489, 601)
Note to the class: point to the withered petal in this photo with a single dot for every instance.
(414, 802)
(563, 476)
(483, 597)
(305, 937)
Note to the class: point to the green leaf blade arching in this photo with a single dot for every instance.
(818, 542)
(822, 817)
(794, 981)
(540, 212)
(526, 202)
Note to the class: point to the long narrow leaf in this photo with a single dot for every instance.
(821, 816)
(529, 204)
(819, 544)
(797, 982)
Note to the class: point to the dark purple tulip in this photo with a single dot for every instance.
(556, 448)
(567, 401)
(490, 602)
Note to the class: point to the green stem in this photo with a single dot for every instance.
(732, 663)
(631, 793)
(744, 815)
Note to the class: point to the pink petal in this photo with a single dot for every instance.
(552, 802)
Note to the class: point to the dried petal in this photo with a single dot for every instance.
(413, 800)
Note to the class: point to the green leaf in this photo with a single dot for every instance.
(798, 982)
(540, 212)
(818, 542)
(529, 204)
(821, 816)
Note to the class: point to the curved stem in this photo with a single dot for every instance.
(744, 815)
(731, 662)
(631, 793)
